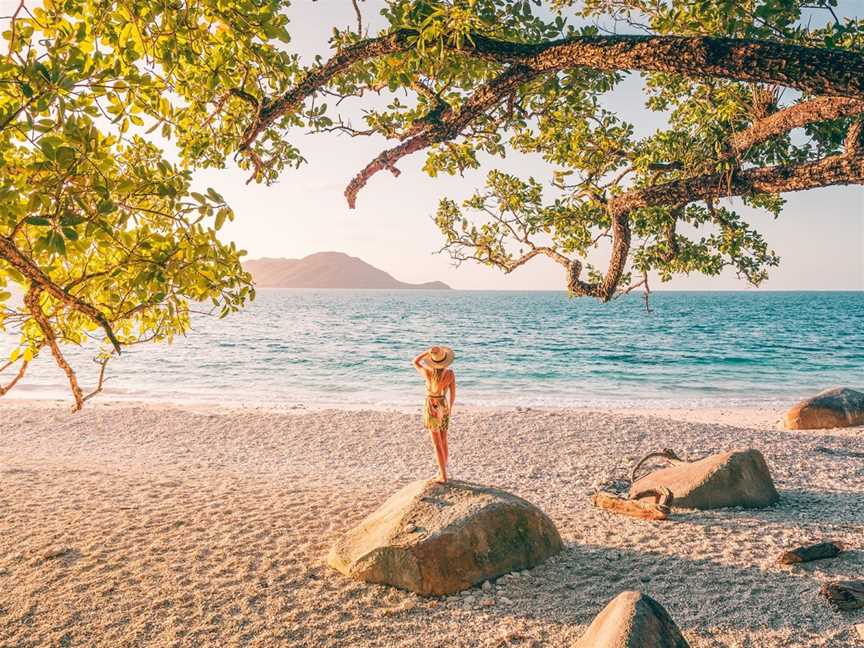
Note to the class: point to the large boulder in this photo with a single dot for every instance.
(832, 408)
(436, 539)
(632, 620)
(736, 478)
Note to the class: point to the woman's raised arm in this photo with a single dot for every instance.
(419, 367)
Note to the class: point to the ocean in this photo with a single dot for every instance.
(354, 348)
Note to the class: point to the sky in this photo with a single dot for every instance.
(819, 236)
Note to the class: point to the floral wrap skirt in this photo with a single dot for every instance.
(436, 413)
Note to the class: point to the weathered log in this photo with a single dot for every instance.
(844, 595)
(644, 509)
(811, 552)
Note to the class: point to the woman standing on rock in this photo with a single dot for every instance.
(440, 382)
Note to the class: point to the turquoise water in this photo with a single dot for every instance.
(526, 348)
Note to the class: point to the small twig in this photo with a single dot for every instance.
(359, 17)
(102, 379)
(5, 389)
(12, 28)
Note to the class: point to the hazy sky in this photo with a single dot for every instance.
(819, 236)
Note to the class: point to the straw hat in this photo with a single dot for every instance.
(439, 357)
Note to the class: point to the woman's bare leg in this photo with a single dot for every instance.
(439, 456)
(445, 446)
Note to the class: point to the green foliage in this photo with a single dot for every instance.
(594, 157)
(86, 197)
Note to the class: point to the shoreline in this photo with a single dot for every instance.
(720, 408)
(756, 417)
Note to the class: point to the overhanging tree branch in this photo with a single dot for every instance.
(446, 127)
(830, 72)
(832, 170)
(31, 299)
(815, 70)
(783, 121)
(18, 260)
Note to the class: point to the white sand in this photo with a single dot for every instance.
(151, 525)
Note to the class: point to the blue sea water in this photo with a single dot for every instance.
(332, 347)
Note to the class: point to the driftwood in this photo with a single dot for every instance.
(637, 504)
(839, 452)
(668, 455)
(640, 508)
(811, 552)
(844, 595)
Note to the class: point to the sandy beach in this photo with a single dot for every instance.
(164, 525)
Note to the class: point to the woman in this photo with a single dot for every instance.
(440, 382)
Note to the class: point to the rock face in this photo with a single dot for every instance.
(632, 620)
(832, 408)
(438, 539)
(736, 478)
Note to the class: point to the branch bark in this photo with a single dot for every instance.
(783, 121)
(814, 70)
(832, 170)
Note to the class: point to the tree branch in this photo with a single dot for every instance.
(446, 127)
(831, 170)
(783, 121)
(4, 389)
(834, 72)
(320, 76)
(31, 299)
(29, 269)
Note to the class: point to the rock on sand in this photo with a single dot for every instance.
(437, 539)
(832, 408)
(632, 620)
(736, 478)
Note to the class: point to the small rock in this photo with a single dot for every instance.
(410, 528)
(505, 600)
(487, 602)
(860, 629)
(525, 574)
(56, 552)
(469, 600)
(487, 586)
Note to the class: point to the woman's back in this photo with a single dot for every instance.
(437, 381)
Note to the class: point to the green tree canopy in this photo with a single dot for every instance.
(105, 237)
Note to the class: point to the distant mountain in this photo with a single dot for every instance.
(326, 270)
